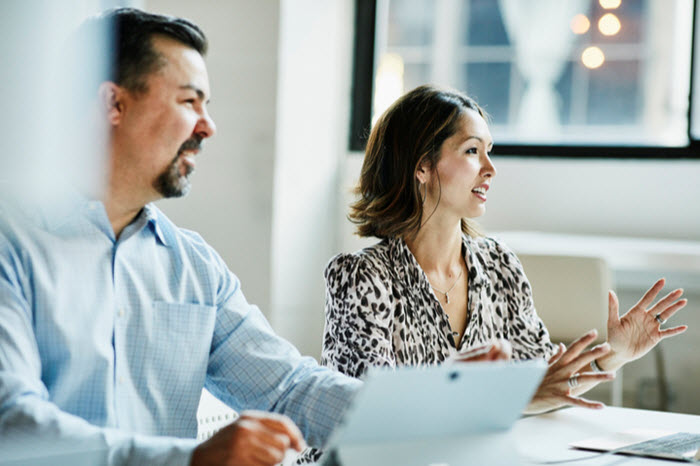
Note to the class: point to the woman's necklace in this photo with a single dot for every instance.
(447, 293)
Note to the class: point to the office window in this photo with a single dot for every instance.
(611, 73)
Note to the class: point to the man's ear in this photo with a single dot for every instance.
(111, 98)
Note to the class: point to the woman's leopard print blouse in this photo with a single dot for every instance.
(381, 310)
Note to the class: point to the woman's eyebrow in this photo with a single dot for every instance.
(481, 140)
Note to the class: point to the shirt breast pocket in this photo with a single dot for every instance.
(182, 319)
(181, 339)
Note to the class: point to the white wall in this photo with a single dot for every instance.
(314, 91)
(657, 199)
(231, 199)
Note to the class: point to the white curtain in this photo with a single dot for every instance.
(539, 30)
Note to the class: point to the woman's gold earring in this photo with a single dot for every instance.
(424, 194)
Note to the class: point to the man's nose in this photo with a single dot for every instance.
(206, 127)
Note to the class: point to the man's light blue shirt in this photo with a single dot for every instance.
(113, 339)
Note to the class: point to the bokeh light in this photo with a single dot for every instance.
(610, 4)
(592, 57)
(609, 25)
(580, 24)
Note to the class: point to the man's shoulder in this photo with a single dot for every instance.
(16, 225)
(169, 226)
(177, 237)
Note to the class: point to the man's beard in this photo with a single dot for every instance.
(171, 183)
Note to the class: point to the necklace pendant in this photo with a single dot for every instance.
(447, 298)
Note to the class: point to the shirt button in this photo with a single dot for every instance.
(120, 380)
(120, 313)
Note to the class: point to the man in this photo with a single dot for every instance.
(112, 319)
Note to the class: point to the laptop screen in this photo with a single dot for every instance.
(449, 400)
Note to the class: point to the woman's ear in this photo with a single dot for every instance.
(423, 173)
(111, 99)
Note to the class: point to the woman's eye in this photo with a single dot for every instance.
(472, 150)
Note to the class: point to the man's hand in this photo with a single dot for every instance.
(256, 438)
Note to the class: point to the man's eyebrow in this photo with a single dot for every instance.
(192, 87)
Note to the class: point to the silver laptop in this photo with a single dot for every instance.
(683, 446)
(452, 414)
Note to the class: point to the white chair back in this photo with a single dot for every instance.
(570, 293)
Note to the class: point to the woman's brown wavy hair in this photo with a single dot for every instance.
(408, 134)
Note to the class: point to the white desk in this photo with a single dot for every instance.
(546, 437)
(531, 441)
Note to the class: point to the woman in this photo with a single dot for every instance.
(434, 287)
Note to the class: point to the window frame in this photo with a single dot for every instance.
(364, 65)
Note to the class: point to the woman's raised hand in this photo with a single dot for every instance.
(630, 337)
(639, 330)
(568, 374)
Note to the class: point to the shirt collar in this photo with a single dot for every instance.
(405, 264)
(155, 221)
(60, 215)
(477, 275)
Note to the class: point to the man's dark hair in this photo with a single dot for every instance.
(133, 56)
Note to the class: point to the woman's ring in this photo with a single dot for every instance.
(659, 319)
(573, 381)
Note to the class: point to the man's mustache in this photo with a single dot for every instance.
(193, 144)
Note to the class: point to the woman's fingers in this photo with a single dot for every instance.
(585, 358)
(497, 354)
(666, 301)
(561, 349)
(502, 350)
(480, 353)
(593, 377)
(577, 347)
(613, 309)
(582, 402)
(669, 332)
(498, 350)
(651, 294)
(556, 390)
(666, 314)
